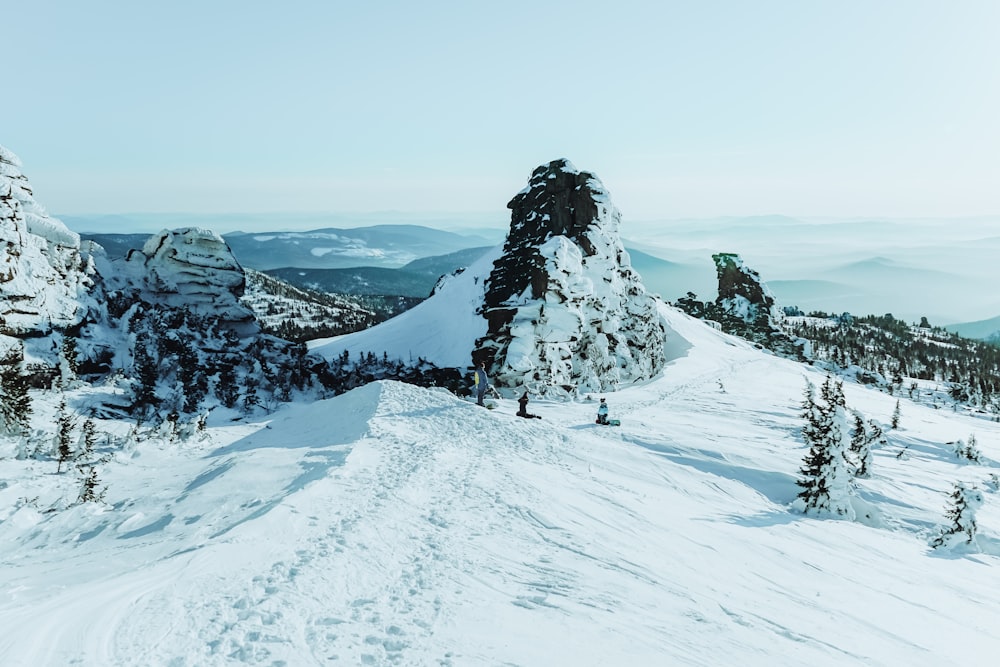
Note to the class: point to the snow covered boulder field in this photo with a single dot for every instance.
(395, 525)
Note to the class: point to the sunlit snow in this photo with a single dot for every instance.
(395, 525)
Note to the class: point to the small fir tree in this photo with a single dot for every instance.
(827, 481)
(895, 417)
(64, 435)
(968, 450)
(15, 402)
(861, 441)
(88, 439)
(90, 485)
(962, 505)
(68, 363)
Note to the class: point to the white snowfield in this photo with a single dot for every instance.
(395, 525)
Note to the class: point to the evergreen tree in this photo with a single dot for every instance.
(88, 439)
(250, 399)
(895, 417)
(89, 485)
(146, 374)
(962, 506)
(861, 440)
(69, 363)
(827, 479)
(225, 388)
(811, 414)
(968, 450)
(64, 435)
(15, 402)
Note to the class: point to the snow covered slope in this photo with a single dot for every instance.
(395, 525)
(443, 329)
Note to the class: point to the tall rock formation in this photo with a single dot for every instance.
(746, 307)
(191, 268)
(566, 313)
(45, 279)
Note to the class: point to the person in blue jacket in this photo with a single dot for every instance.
(480, 383)
(602, 413)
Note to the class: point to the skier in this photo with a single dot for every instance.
(602, 413)
(480, 383)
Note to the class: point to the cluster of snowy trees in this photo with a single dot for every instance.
(179, 358)
(344, 373)
(840, 445)
(889, 350)
(840, 451)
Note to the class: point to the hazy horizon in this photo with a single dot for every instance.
(681, 109)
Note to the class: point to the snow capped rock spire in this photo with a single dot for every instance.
(565, 310)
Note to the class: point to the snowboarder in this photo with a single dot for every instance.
(480, 383)
(602, 413)
(522, 411)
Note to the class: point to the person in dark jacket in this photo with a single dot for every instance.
(481, 382)
(522, 410)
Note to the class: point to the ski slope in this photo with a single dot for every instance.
(395, 525)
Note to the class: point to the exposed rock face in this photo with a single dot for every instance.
(742, 294)
(566, 313)
(191, 268)
(746, 307)
(45, 279)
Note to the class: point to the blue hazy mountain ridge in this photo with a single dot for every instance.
(386, 246)
(415, 279)
(911, 269)
(983, 329)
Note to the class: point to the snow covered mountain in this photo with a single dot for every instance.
(398, 525)
(556, 310)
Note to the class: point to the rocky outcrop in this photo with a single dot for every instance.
(565, 311)
(45, 279)
(742, 294)
(746, 307)
(191, 268)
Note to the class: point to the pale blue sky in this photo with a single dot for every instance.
(847, 108)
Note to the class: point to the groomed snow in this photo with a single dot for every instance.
(395, 525)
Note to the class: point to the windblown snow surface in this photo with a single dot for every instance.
(395, 525)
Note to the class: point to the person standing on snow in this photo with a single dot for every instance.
(602, 413)
(480, 383)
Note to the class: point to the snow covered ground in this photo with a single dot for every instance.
(395, 525)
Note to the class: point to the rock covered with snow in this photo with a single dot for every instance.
(191, 268)
(746, 307)
(566, 312)
(45, 279)
(742, 294)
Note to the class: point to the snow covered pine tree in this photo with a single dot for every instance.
(828, 481)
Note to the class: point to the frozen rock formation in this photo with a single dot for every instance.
(191, 268)
(566, 313)
(45, 279)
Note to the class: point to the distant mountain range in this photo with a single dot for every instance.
(407, 260)
(388, 246)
